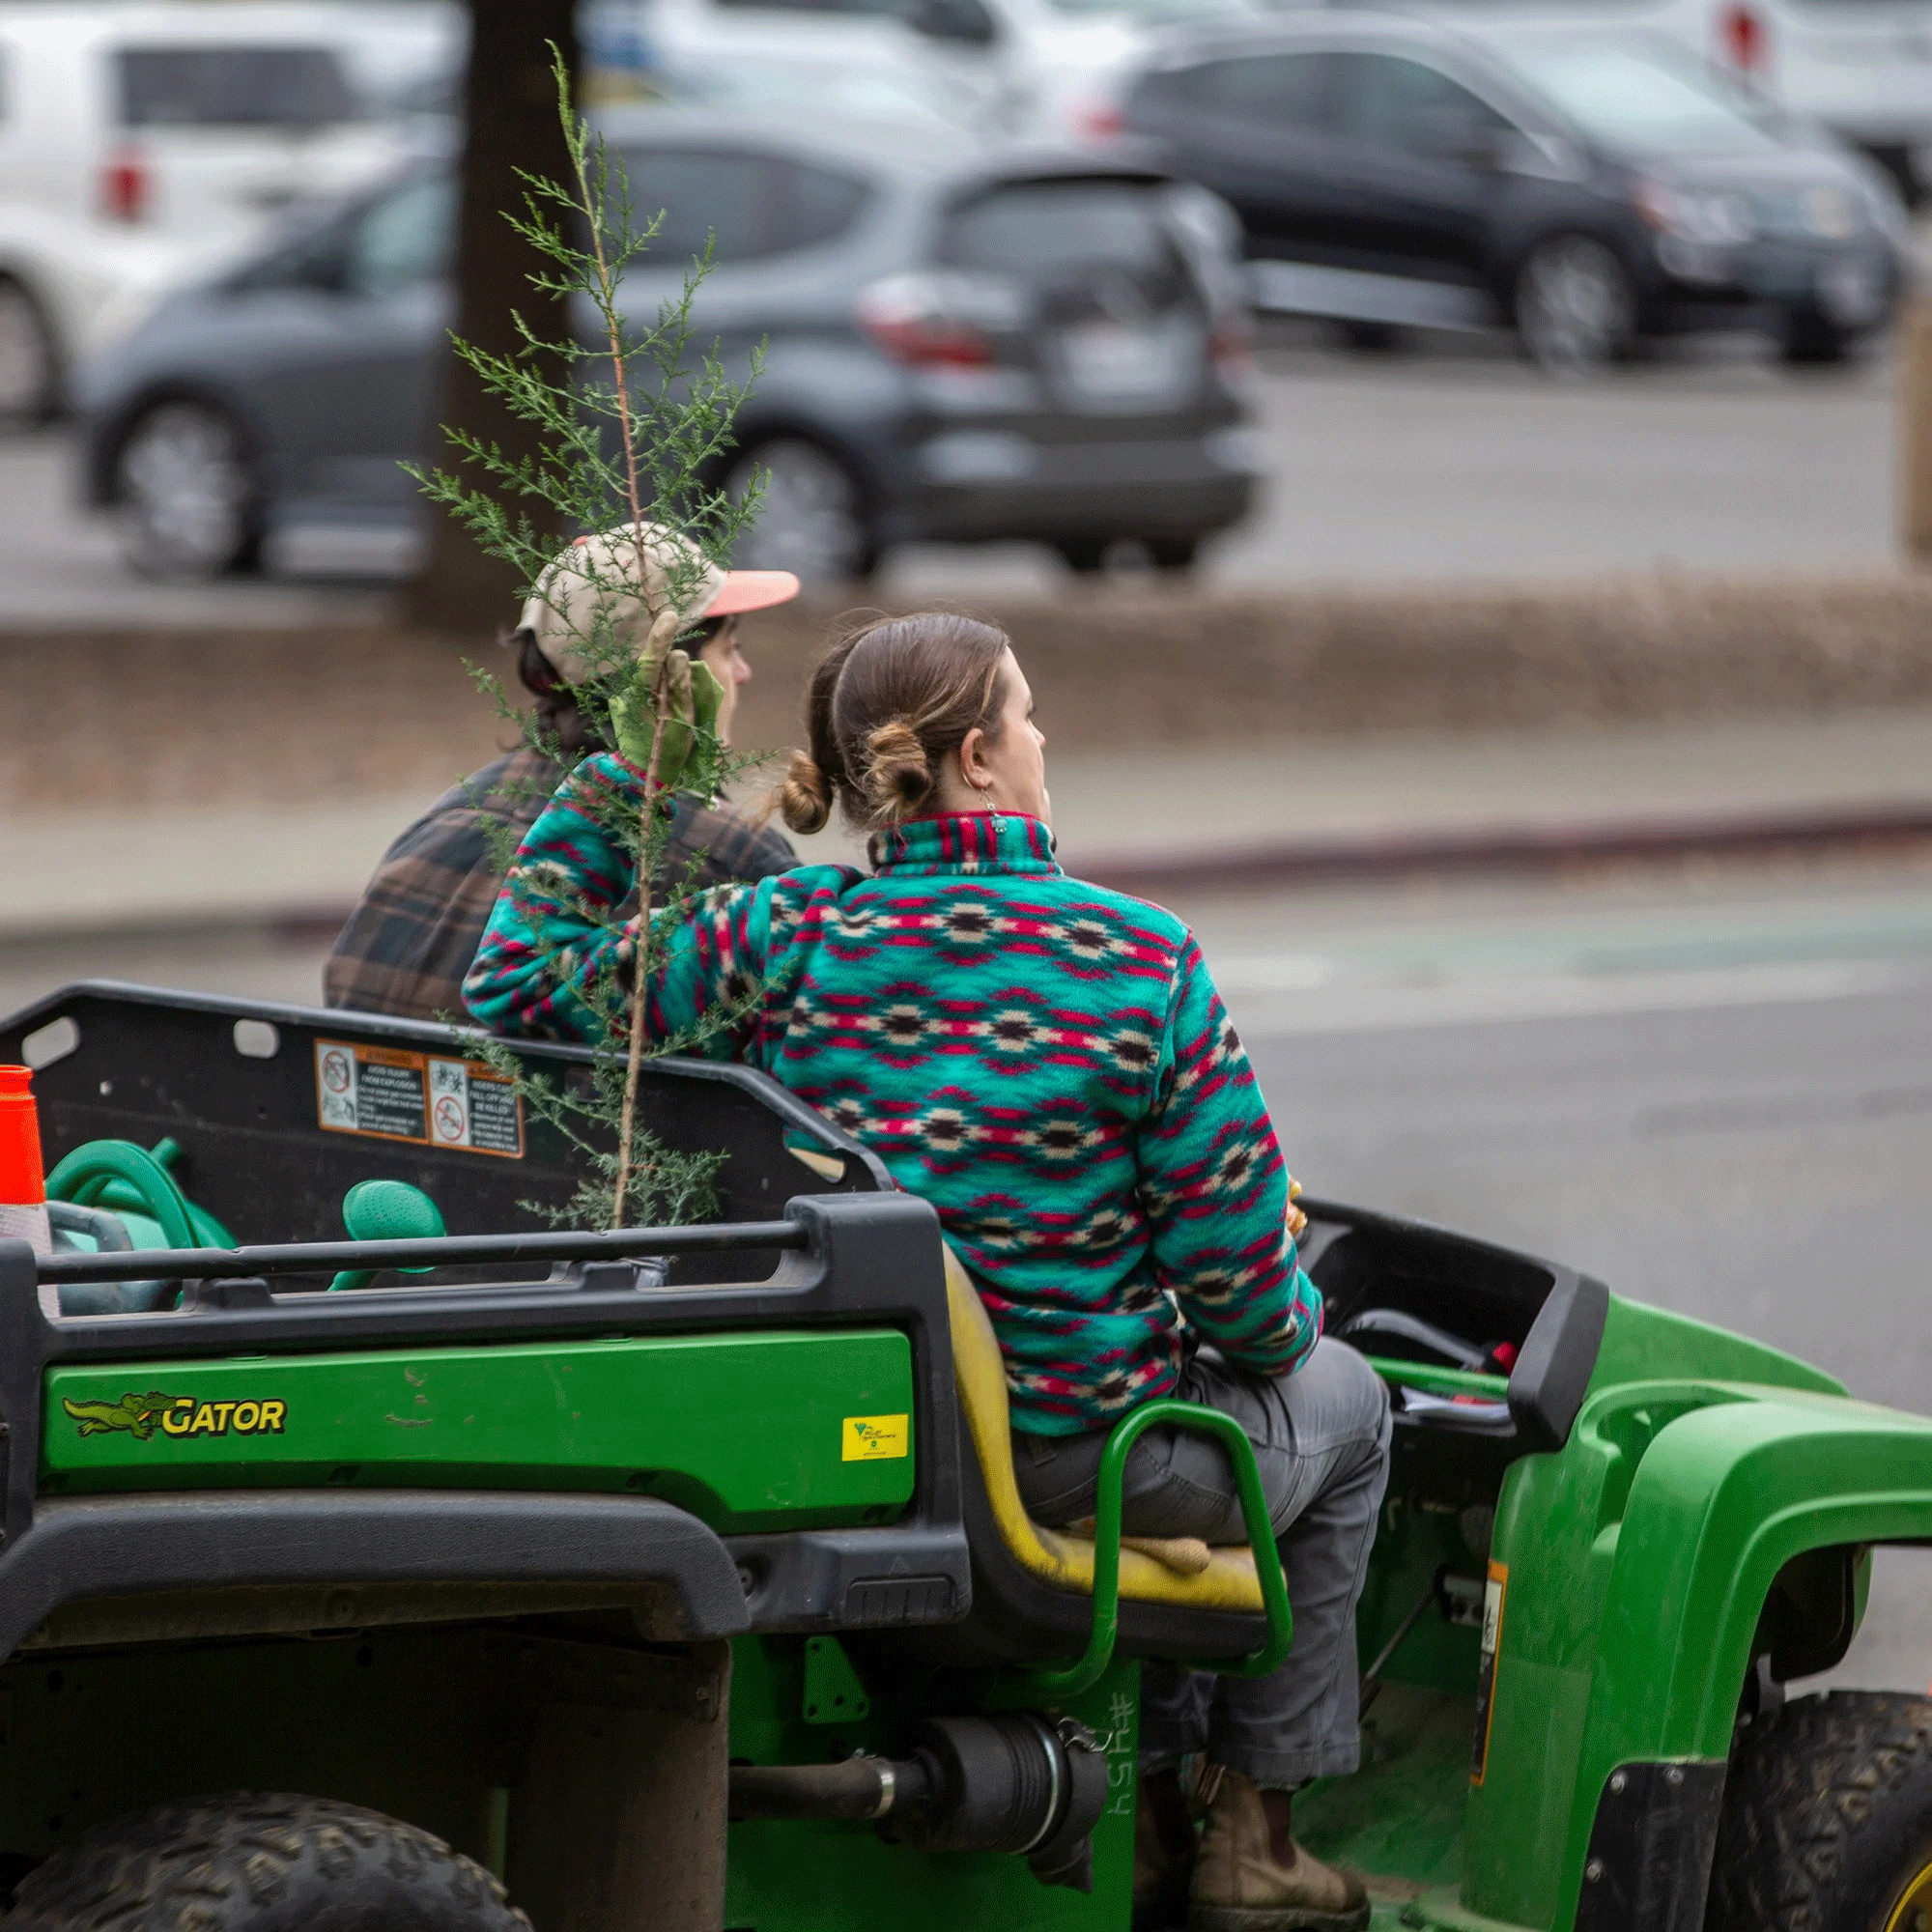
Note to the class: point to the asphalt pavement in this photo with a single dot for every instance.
(1710, 1090)
(1453, 461)
(1711, 1086)
(1434, 465)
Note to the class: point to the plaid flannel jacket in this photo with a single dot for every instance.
(412, 937)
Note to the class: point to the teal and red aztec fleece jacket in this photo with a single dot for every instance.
(1046, 1062)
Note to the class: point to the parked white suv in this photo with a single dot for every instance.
(141, 143)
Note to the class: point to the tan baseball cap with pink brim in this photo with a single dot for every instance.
(620, 580)
(752, 590)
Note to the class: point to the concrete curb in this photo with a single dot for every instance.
(146, 721)
(1251, 866)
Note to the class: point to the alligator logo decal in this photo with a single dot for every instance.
(177, 1415)
(136, 1413)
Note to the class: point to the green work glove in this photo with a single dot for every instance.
(686, 747)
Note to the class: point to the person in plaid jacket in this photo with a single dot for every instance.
(415, 929)
(1049, 1064)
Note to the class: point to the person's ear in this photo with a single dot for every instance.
(973, 760)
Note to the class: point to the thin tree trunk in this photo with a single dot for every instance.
(640, 961)
(510, 115)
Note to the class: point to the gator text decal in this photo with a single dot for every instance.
(140, 1415)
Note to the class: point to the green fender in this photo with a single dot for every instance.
(1722, 1498)
(1637, 1559)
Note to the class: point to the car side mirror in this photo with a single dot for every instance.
(964, 22)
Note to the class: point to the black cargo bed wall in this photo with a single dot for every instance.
(147, 1065)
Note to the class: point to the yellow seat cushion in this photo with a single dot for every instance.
(1067, 1562)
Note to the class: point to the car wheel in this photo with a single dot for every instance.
(1085, 556)
(811, 519)
(189, 503)
(1810, 340)
(1899, 161)
(1370, 338)
(1176, 553)
(1828, 1819)
(261, 1862)
(29, 368)
(1575, 306)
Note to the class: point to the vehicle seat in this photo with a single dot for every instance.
(1064, 1562)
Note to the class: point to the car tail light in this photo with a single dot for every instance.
(938, 321)
(1745, 38)
(928, 343)
(125, 187)
(1099, 121)
(1231, 347)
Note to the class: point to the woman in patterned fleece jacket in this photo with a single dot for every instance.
(1050, 1065)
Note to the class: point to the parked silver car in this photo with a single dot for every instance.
(958, 346)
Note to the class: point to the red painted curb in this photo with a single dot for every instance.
(1258, 864)
(1500, 849)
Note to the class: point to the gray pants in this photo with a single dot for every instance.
(1321, 1444)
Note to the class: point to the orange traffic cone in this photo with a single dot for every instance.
(23, 1191)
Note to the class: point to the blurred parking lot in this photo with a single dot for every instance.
(1450, 460)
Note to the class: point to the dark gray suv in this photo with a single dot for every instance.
(960, 345)
(1588, 192)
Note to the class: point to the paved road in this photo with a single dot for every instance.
(1711, 1089)
(1437, 465)
(1713, 1094)
(61, 567)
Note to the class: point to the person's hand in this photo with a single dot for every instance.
(687, 745)
(1298, 1221)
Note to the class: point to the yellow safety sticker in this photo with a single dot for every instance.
(876, 1439)
(1494, 1593)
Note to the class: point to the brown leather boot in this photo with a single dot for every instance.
(1163, 1854)
(1248, 1878)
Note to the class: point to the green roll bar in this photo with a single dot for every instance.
(1099, 1651)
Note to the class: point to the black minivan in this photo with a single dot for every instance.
(1587, 193)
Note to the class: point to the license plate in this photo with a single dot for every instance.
(1118, 363)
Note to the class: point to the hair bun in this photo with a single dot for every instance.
(898, 774)
(805, 799)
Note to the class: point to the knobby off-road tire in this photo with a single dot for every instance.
(1828, 1820)
(260, 1862)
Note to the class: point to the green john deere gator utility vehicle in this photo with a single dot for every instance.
(676, 1579)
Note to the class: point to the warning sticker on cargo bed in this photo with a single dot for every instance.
(397, 1096)
(1486, 1665)
(472, 1106)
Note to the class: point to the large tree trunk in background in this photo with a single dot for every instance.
(510, 114)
